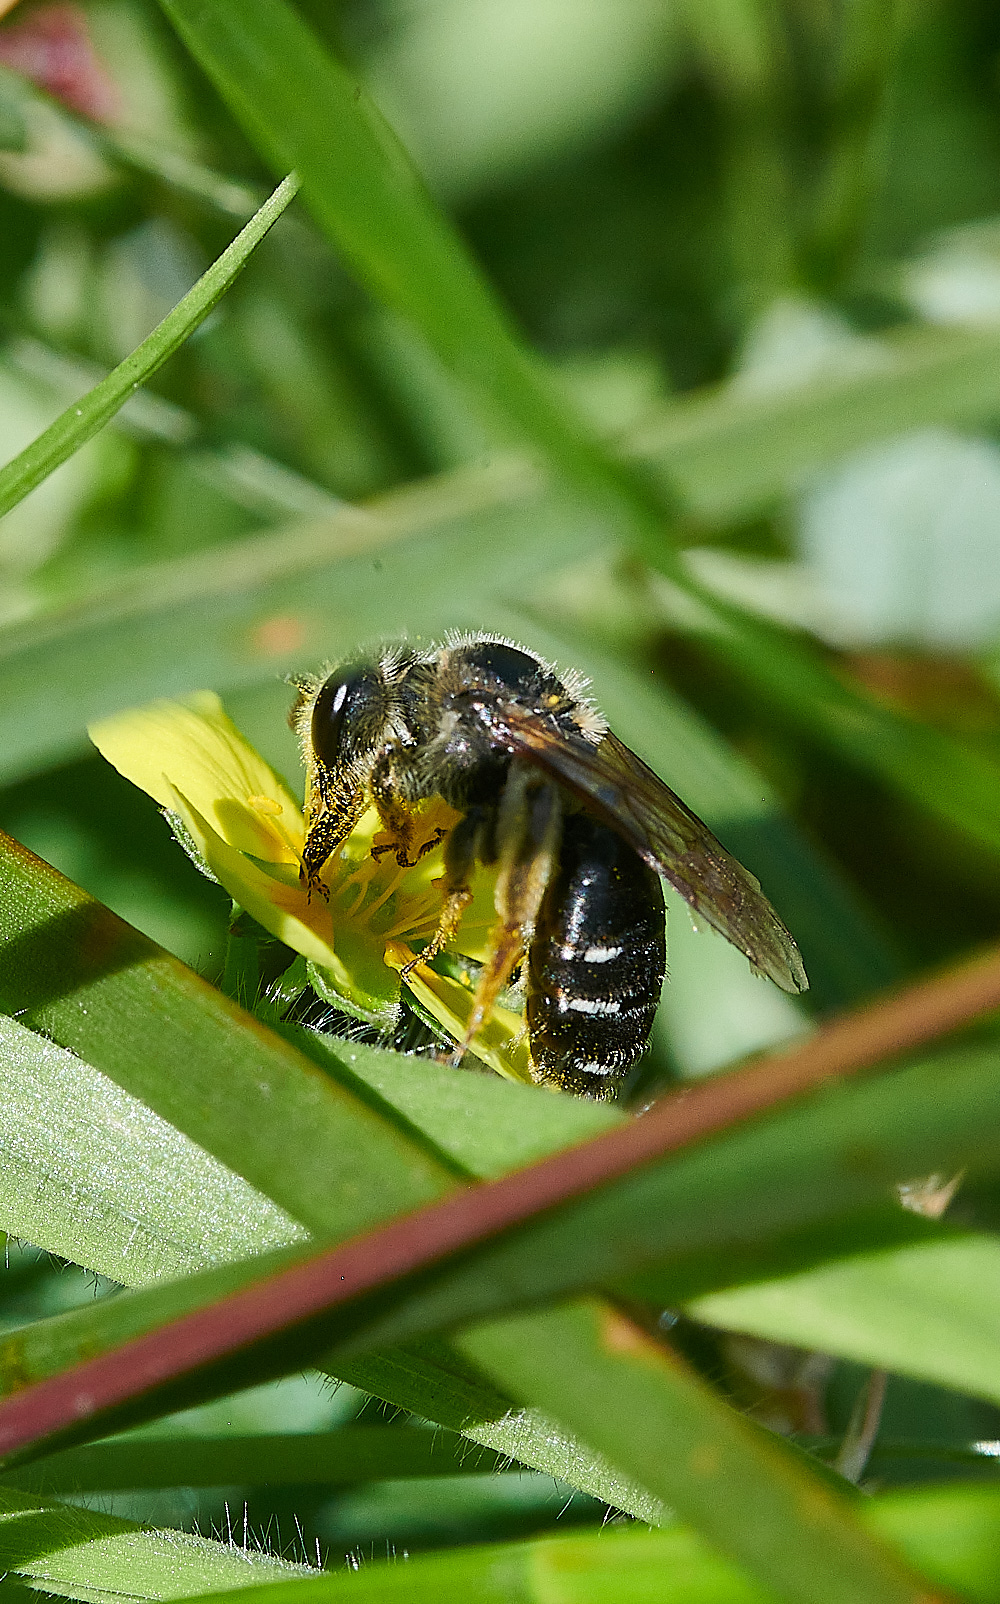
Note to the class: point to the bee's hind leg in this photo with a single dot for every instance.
(528, 830)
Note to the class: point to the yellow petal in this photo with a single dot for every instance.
(354, 968)
(500, 1042)
(276, 900)
(194, 747)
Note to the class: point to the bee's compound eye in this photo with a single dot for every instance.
(508, 664)
(349, 714)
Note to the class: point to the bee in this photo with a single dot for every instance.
(579, 829)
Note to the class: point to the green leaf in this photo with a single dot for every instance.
(701, 1218)
(78, 1553)
(695, 1221)
(601, 1473)
(949, 1532)
(164, 1046)
(82, 977)
(253, 1106)
(83, 420)
(304, 110)
(92, 1173)
(332, 1458)
(206, 620)
(104, 1012)
(483, 1125)
(732, 454)
(87, 1018)
(652, 1416)
(179, 636)
(930, 1310)
(122, 982)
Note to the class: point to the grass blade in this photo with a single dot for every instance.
(801, 1152)
(81, 976)
(680, 1227)
(652, 1416)
(732, 455)
(92, 1173)
(132, 1016)
(908, 1112)
(243, 615)
(80, 1553)
(930, 1311)
(331, 1458)
(947, 1531)
(83, 420)
(304, 110)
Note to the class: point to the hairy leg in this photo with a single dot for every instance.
(463, 847)
(397, 792)
(331, 815)
(527, 836)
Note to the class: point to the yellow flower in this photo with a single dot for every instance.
(242, 825)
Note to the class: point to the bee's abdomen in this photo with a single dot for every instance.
(596, 963)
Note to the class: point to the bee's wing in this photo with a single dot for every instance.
(617, 786)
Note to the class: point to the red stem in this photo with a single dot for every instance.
(472, 1215)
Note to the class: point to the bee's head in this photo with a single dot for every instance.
(352, 714)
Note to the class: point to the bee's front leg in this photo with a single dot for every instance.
(323, 838)
(331, 814)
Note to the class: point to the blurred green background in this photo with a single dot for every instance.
(685, 204)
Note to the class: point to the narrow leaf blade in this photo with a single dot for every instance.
(652, 1416)
(88, 415)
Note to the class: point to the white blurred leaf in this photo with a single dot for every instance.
(957, 279)
(904, 543)
(796, 340)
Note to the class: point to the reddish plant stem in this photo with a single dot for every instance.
(415, 1241)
